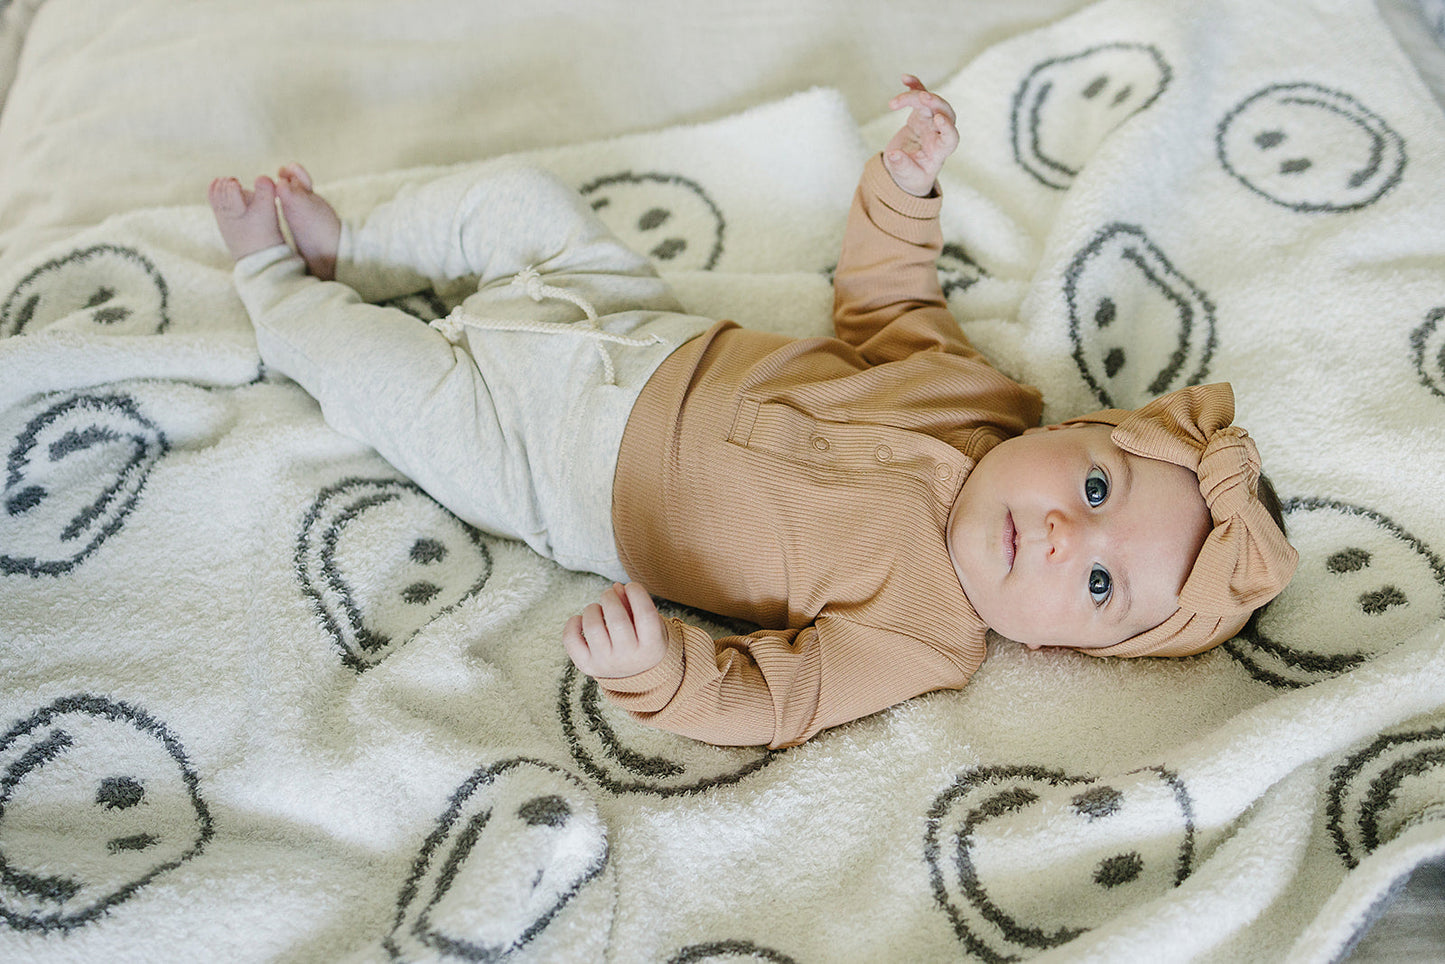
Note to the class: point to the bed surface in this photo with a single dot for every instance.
(232, 726)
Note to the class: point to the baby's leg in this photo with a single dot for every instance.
(313, 222)
(247, 219)
(387, 379)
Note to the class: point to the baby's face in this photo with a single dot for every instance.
(1061, 538)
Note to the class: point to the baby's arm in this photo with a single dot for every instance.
(887, 300)
(780, 687)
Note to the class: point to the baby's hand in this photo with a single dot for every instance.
(620, 635)
(916, 153)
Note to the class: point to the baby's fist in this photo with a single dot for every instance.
(620, 635)
(916, 153)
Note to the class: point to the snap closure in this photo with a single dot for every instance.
(883, 453)
(820, 443)
(941, 472)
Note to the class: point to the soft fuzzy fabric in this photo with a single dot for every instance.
(263, 698)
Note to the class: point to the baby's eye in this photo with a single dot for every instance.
(1100, 584)
(1096, 487)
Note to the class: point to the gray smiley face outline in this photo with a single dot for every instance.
(18, 311)
(113, 793)
(605, 755)
(1383, 167)
(658, 217)
(1367, 782)
(452, 842)
(324, 582)
(1005, 792)
(1189, 360)
(1252, 643)
(1031, 98)
(108, 511)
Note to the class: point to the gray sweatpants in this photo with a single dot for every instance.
(507, 412)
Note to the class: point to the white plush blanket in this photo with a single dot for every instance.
(263, 699)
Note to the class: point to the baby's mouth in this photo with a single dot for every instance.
(1010, 540)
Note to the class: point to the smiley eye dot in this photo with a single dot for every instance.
(101, 296)
(1264, 140)
(654, 218)
(1119, 870)
(1105, 313)
(141, 841)
(112, 314)
(1097, 802)
(549, 811)
(1296, 165)
(427, 551)
(1382, 600)
(1096, 85)
(1352, 559)
(119, 793)
(420, 593)
(669, 249)
(1122, 95)
(1114, 362)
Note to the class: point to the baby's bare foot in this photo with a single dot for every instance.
(247, 219)
(313, 222)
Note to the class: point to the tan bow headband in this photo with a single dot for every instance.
(1245, 561)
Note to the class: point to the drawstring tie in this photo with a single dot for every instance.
(530, 281)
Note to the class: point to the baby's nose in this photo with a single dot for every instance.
(1062, 532)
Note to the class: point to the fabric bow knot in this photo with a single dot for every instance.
(1229, 467)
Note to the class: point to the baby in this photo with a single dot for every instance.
(875, 501)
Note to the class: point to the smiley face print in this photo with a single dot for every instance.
(73, 475)
(1066, 106)
(667, 217)
(381, 559)
(626, 757)
(97, 799)
(516, 849)
(1011, 891)
(1140, 328)
(1310, 148)
(103, 288)
(1394, 782)
(1363, 584)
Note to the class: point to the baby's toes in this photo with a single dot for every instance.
(264, 193)
(227, 197)
(295, 176)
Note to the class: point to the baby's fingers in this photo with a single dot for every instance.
(947, 132)
(925, 101)
(574, 641)
(646, 621)
(594, 631)
(618, 620)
